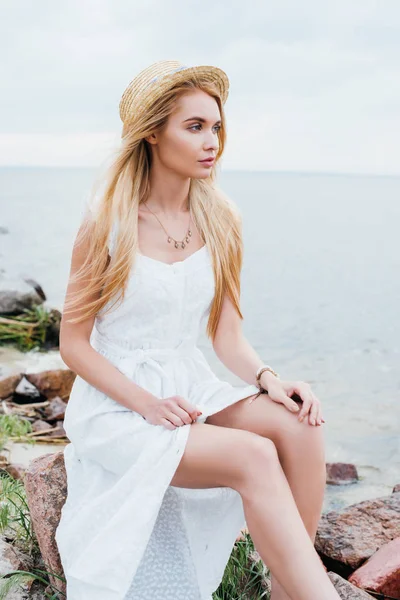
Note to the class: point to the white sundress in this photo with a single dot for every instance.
(125, 533)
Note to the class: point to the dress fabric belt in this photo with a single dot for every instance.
(128, 357)
(143, 352)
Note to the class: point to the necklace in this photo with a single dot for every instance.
(177, 244)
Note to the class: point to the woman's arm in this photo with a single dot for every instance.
(233, 349)
(89, 364)
(78, 354)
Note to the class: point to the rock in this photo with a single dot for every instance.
(40, 425)
(346, 590)
(8, 385)
(51, 431)
(52, 383)
(11, 559)
(381, 572)
(16, 470)
(28, 590)
(341, 473)
(25, 390)
(46, 490)
(347, 538)
(55, 409)
(17, 295)
(396, 488)
(58, 430)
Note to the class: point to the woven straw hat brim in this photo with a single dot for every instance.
(155, 80)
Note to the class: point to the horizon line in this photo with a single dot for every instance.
(254, 171)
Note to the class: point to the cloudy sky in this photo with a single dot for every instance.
(314, 85)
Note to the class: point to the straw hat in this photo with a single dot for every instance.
(154, 80)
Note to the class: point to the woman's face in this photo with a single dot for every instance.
(189, 136)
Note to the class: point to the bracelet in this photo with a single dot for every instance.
(260, 371)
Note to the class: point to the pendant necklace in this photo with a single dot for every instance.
(177, 243)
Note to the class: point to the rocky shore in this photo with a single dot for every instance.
(358, 545)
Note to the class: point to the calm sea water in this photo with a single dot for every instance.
(320, 291)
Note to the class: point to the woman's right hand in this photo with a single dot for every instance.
(171, 412)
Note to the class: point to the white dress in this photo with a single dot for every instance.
(125, 533)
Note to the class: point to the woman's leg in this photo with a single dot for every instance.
(301, 452)
(249, 463)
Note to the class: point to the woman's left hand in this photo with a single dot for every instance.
(311, 405)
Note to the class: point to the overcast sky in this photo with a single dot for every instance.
(314, 84)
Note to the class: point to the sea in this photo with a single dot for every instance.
(320, 293)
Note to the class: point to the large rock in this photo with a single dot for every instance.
(381, 572)
(346, 590)
(45, 483)
(8, 385)
(52, 383)
(18, 294)
(346, 539)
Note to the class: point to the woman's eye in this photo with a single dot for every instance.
(217, 127)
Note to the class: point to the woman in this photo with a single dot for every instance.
(166, 461)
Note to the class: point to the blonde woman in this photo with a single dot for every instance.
(167, 462)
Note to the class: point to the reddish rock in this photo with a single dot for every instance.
(46, 490)
(381, 573)
(40, 425)
(49, 430)
(396, 488)
(52, 383)
(55, 409)
(346, 590)
(8, 385)
(58, 431)
(16, 470)
(346, 539)
(340, 473)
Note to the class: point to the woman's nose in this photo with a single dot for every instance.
(211, 143)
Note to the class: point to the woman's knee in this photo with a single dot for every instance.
(295, 432)
(300, 439)
(258, 458)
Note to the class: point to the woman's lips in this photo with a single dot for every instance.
(208, 162)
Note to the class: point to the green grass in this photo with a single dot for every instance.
(16, 427)
(27, 330)
(244, 579)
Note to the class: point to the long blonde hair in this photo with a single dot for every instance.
(124, 187)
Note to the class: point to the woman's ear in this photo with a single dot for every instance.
(152, 138)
